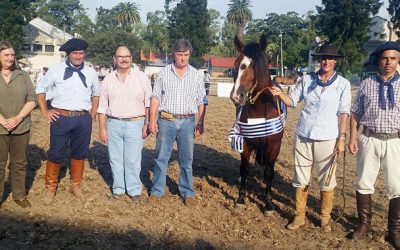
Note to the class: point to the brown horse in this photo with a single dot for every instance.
(285, 80)
(250, 92)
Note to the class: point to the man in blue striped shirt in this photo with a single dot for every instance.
(178, 95)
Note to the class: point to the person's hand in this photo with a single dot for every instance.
(353, 146)
(341, 145)
(3, 122)
(11, 123)
(198, 129)
(51, 115)
(145, 130)
(103, 135)
(94, 116)
(153, 127)
(275, 91)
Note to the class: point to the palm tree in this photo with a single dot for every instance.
(127, 14)
(239, 14)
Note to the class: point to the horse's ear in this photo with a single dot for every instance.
(238, 44)
(263, 42)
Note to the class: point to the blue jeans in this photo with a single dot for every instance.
(181, 131)
(125, 144)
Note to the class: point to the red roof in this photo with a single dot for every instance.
(227, 62)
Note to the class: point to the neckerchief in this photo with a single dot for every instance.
(69, 70)
(390, 91)
(318, 82)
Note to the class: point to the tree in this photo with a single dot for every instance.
(346, 24)
(394, 12)
(157, 30)
(60, 13)
(15, 15)
(190, 20)
(104, 20)
(239, 14)
(127, 14)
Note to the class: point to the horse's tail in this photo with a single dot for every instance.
(261, 156)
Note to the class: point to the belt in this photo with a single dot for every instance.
(136, 118)
(65, 112)
(183, 116)
(381, 136)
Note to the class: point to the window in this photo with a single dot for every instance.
(26, 47)
(37, 47)
(49, 48)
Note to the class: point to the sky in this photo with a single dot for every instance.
(259, 7)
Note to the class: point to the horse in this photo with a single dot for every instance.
(286, 80)
(250, 93)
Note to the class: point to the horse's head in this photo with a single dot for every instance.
(251, 70)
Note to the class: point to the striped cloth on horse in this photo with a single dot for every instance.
(264, 128)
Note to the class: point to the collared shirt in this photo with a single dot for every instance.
(70, 94)
(125, 99)
(319, 116)
(367, 107)
(177, 95)
(13, 97)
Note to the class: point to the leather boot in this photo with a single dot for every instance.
(51, 181)
(300, 215)
(394, 223)
(364, 209)
(76, 173)
(326, 209)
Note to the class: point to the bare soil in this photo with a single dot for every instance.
(96, 222)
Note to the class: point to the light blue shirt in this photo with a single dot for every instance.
(70, 94)
(319, 116)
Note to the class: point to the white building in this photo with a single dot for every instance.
(381, 31)
(42, 43)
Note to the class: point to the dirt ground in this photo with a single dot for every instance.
(214, 223)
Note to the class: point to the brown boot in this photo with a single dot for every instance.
(76, 173)
(326, 209)
(300, 215)
(364, 209)
(51, 181)
(394, 223)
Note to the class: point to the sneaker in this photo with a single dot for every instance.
(135, 198)
(23, 203)
(189, 201)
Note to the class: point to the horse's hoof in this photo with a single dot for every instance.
(268, 213)
(240, 205)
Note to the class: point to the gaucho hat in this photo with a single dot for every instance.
(386, 46)
(74, 44)
(327, 50)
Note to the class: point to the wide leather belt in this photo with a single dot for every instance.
(381, 136)
(183, 116)
(65, 112)
(136, 118)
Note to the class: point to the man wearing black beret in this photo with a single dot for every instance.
(75, 90)
(377, 109)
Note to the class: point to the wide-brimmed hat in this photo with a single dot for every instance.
(327, 50)
(24, 61)
(73, 45)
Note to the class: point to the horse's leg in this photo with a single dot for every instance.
(244, 172)
(269, 174)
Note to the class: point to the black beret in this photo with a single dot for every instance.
(386, 46)
(74, 44)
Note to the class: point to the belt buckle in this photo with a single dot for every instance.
(384, 136)
(75, 113)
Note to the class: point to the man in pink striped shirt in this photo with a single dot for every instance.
(123, 122)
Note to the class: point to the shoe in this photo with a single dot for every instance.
(153, 199)
(189, 201)
(135, 198)
(23, 203)
(115, 197)
(300, 204)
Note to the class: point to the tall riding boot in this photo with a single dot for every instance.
(300, 215)
(326, 209)
(51, 181)
(76, 174)
(364, 209)
(394, 223)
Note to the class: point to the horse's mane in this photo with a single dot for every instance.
(260, 63)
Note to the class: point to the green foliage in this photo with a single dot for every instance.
(102, 46)
(157, 30)
(239, 14)
(346, 24)
(190, 20)
(126, 14)
(394, 12)
(15, 15)
(60, 13)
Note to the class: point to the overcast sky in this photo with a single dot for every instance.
(259, 7)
